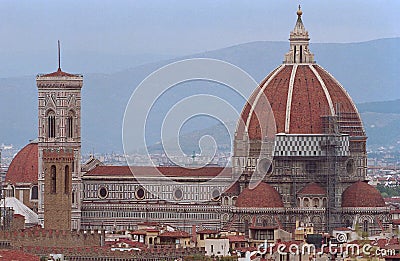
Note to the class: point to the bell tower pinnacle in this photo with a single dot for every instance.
(299, 43)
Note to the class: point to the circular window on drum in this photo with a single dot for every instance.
(178, 194)
(102, 192)
(350, 166)
(140, 193)
(215, 194)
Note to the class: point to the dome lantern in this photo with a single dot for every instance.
(299, 42)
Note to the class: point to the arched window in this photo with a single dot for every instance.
(73, 197)
(53, 179)
(51, 125)
(34, 192)
(66, 180)
(348, 223)
(70, 125)
(365, 226)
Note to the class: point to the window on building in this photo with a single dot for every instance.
(316, 202)
(34, 192)
(66, 180)
(53, 179)
(51, 125)
(264, 234)
(70, 125)
(365, 226)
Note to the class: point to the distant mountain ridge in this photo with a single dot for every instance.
(367, 70)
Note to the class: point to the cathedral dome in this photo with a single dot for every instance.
(361, 194)
(24, 166)
(262, 196)
(303, 96)
(312, 189)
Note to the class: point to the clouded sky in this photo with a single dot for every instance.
(186, 26)
(108, 29)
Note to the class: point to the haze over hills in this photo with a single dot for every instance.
(368, 71)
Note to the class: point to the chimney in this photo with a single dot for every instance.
(194, 235)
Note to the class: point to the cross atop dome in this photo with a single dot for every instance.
(299, 41)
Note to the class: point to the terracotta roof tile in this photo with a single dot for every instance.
(234, 189)
(166, 171)
(361, 194)
(24, 166)
(312, 189)
(309, 102)
(59, 73)
(175, 234)
(17, 255)
(138, 232)
(207, 231)
(262, 196)
(236, 238)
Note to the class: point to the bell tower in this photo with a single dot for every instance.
(59, 144)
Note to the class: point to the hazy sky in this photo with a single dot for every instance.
(183, 27)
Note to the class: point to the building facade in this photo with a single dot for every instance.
(312, 162)
(59, 149)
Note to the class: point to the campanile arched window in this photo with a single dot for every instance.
(51, 124)
(53, 179)
(70, 124)
(66, 180)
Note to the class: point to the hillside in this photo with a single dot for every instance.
(368, 70)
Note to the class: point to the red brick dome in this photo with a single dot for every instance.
(300, 95)
(262, 196)
(24, 166)
(361, 194)
(312, 189)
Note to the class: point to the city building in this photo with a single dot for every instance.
(317, 175)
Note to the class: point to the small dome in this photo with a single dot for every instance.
(361, 194)
(24, 166)
(312, 189)
(262, 196)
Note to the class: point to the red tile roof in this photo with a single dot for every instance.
(236, 238)
(396, 221)
(155, 171)
(262, 196)
(343, 229)
(207, 231)
(59, 73)
(138, 232)
(175, 234)
(312, 189)
(263, 227)
(234, 189)
(361, 194)
(24, 166)
(16, 255)
(393, 199)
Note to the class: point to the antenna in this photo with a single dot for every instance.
(59, 56)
